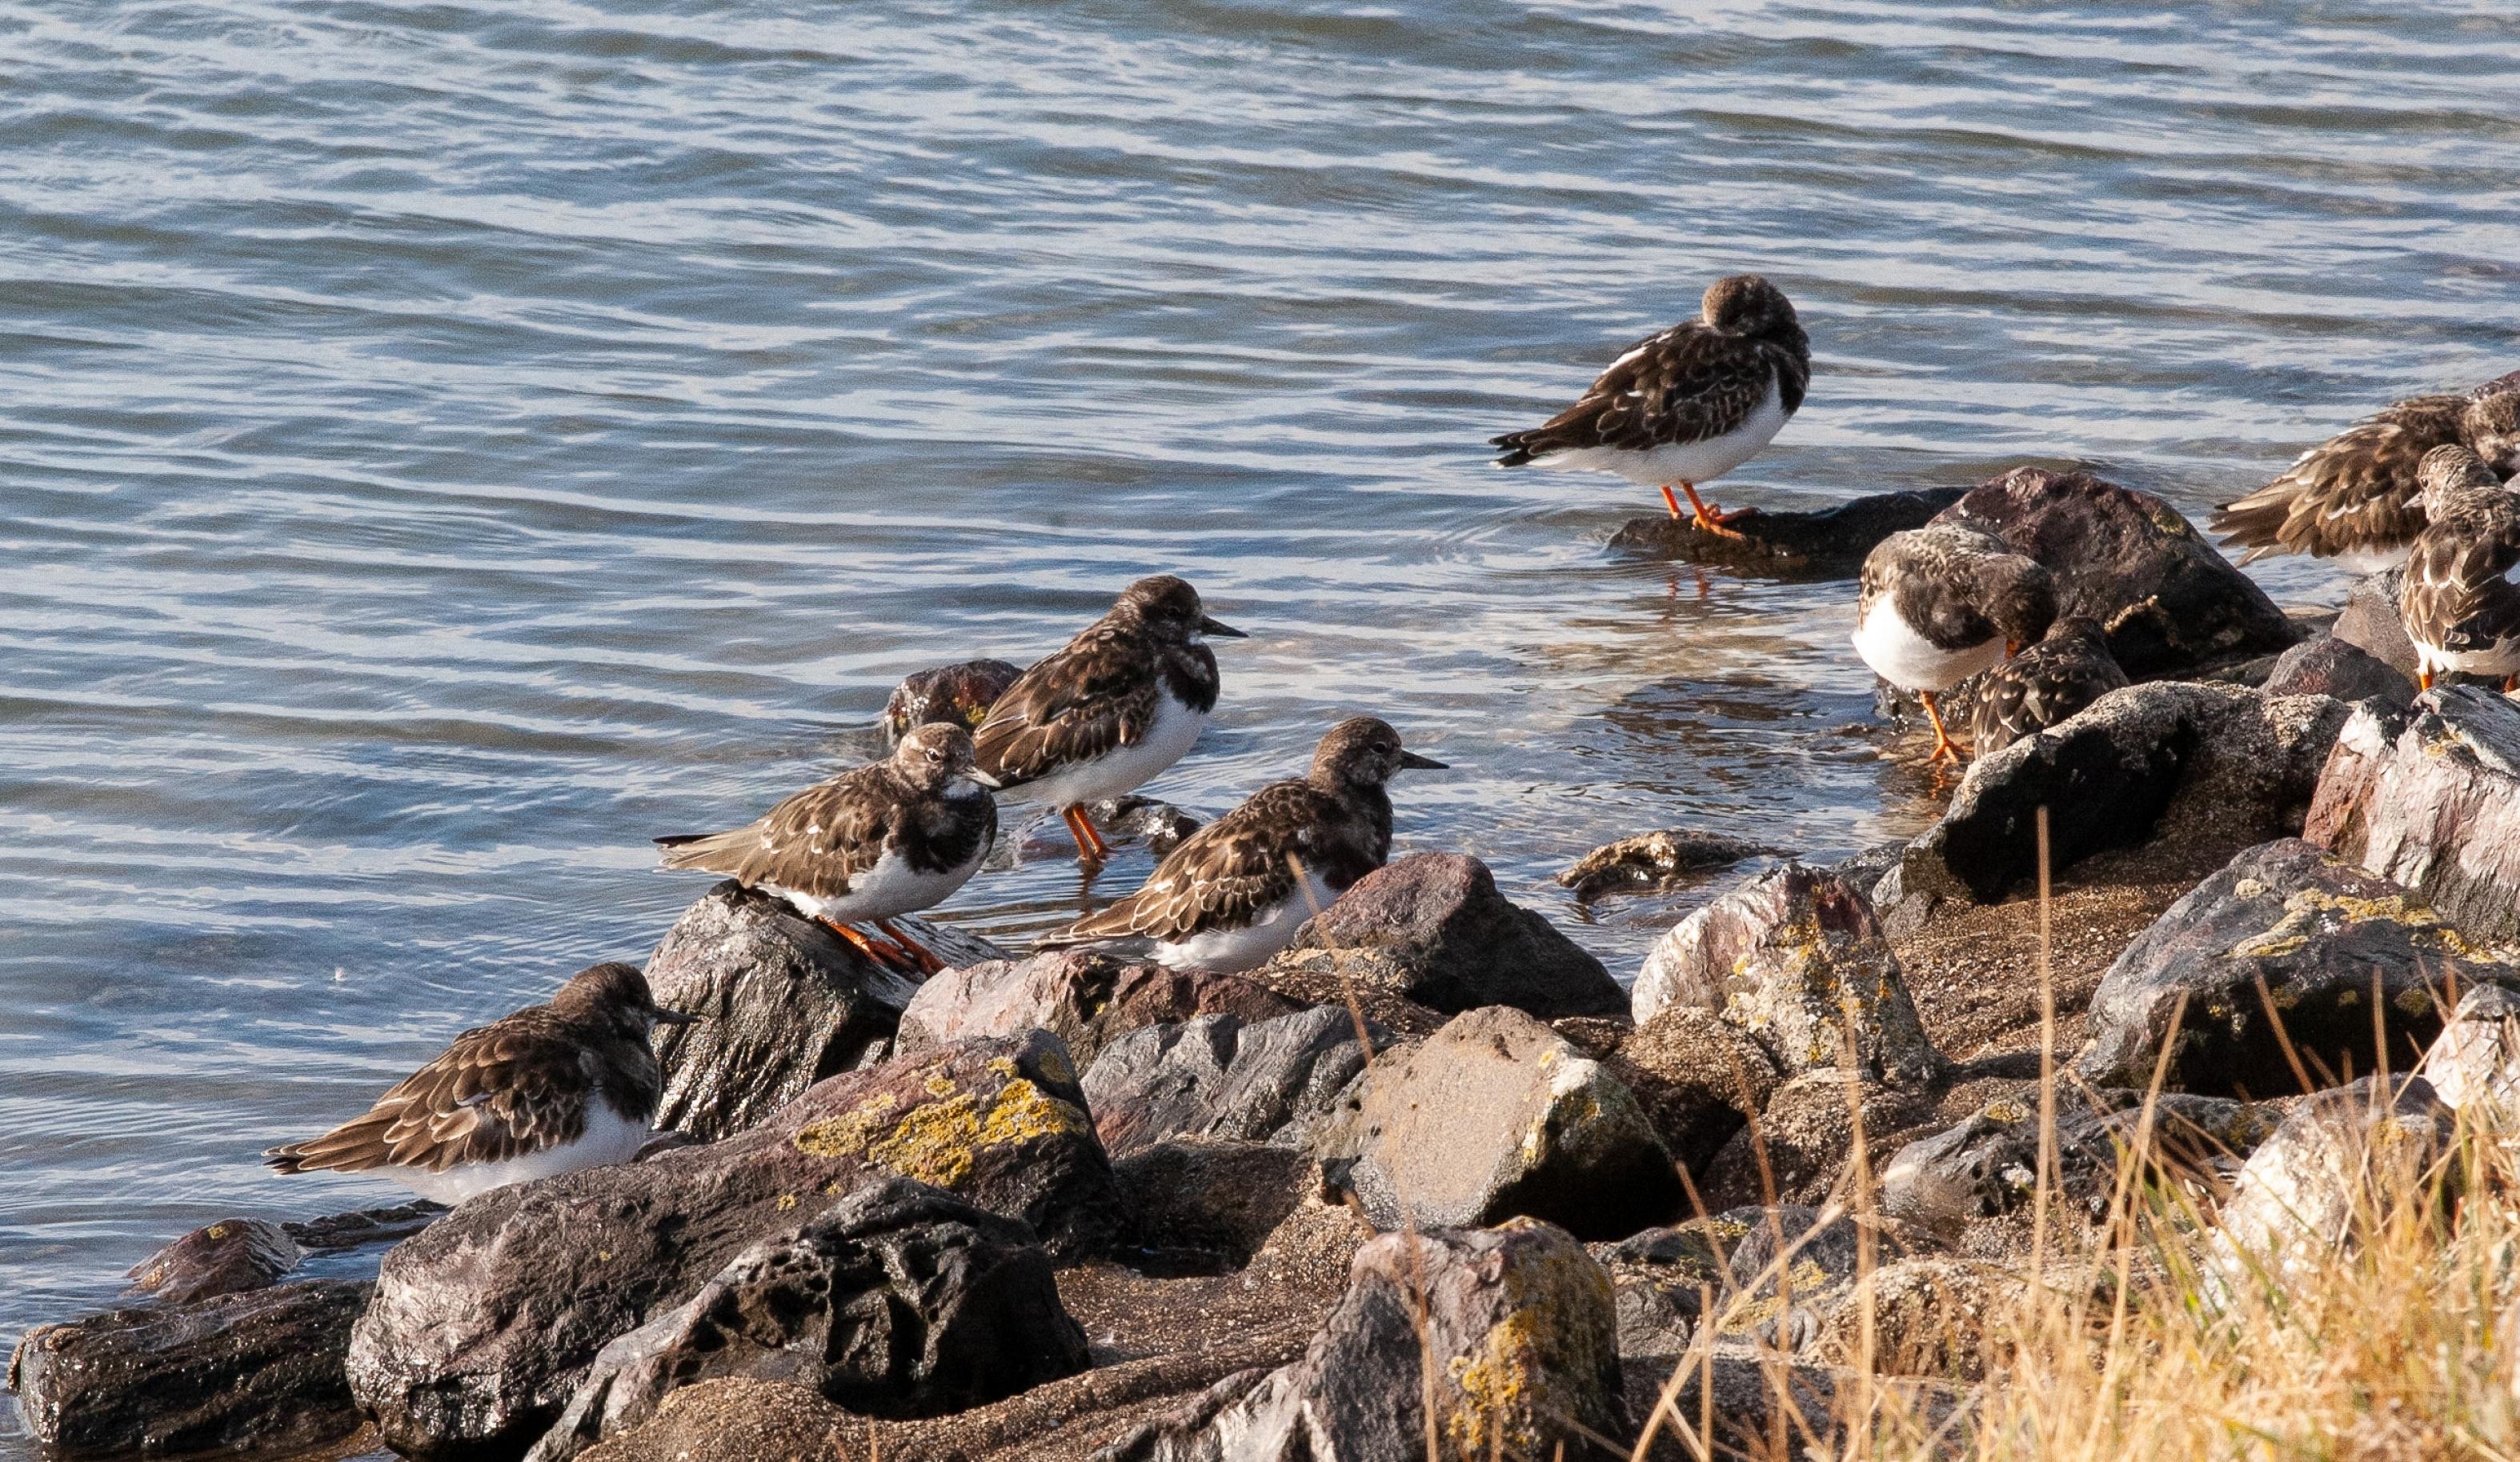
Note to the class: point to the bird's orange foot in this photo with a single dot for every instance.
(881, 952)
(1090, 847)
(1707, 519)
(919, 954)
(1945, 749)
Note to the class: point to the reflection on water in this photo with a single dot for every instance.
(448, 444)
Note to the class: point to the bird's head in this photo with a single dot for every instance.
(1170, 609)
(1746, 304)
(1364, 752)
(934, 755)
(615, 997)
(2491, 427)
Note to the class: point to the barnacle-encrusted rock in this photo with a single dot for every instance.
(1654, 859)
(484, 1324)
(1519, 1323)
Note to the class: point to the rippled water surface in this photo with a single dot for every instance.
(442, 444)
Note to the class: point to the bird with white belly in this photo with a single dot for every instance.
(2460, 602)
(1939, 603)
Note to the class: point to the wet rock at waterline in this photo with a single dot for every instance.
(1828, 544)
(1493, 1116)
(2325, 940)
(1657, 860)
(1217, 1077)
(2168, 602)
(1433, 927)
(783, 1003)
(484, 1324)
(2220, 767)
(226, 1257)
(899, 1299)
(1797, 959)
(954, 695)
(1521, 1333)
(1087, 998)
(2334, 667)
(2431, 798)
(257, 1371)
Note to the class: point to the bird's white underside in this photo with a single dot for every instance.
(2501, 658)
(1124, 769)
(1231, 952)
(1909, 660)
(888, 890)
(1684, 462)
(610, 1138)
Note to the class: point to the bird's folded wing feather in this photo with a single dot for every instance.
(1688, 384)
(500, 1092)
(815, 840)
(1088, 700)
(1223, 876)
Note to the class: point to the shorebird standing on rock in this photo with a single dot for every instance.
(2045, 684)
(1686, 406)
(1109, 712)
(548, 1090)
(2460, 602)
(1234, 892)
(868, 846)
(2355, 498)
(1941, 603)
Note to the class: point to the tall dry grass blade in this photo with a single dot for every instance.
(2046, 1180)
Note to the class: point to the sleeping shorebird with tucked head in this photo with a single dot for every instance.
(868, 846)
(1684, 407)
(1234, 892)
(1109, 712)
(1941, 603)
(2045, 684)
(548, 1090)
(2460, 602)
(2355, 498)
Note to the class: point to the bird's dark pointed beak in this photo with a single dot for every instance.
(1411, 761)
(665, 1017)
(1211, 626)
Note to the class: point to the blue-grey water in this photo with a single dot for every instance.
(444, 444)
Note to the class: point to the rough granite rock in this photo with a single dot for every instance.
(2324, 939)
(1658, 860)
(1521, 1330)
(955, 694)
(2338, 668)
(739, 1419)
(2369, 622)
(1214, 1193)
(1828, 544)
(1806, 1131)
(784, 1003)
(1929, 1317)
(258, 1371)
(898, 1300)
(1989, 1164)
(1797, 959)
(1216, 1077)
(1493, 1116)
(2343, 1157)
(2218, 766)
(1698, 1077)
(2476, 1058)
(2168, 602)
(1433, 927)
(484, 1323)
(2431, 799)
(1085, 996)
(226, 1257)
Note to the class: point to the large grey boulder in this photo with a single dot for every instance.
(898, 1300)
(1217, 1077)
(2212, 766)
(1799, 961)
(2325, 940)
(2474, 1063)
(2431, 799)
(253, 1371)
(485, 1324)
(783, 1003)
(1494, 1116)
(1085, 996)
(1433, 927)
(2343, 1160)
(1519, 1334)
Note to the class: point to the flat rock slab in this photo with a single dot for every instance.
(1798, 960)
(1519, 1329)
(2168, 602)
(485, 1324)
(1085, 996)
(1828, 544)
(1218, 1076)
(1433, 926)
(1496, 1116)
(899, 1299)
(783, 1003)
(2324, 939)
(258, 1371)
(1658, 860)
(2431, 799)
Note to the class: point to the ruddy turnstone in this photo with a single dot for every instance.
(1687, 405)
(951, 694)
(876, 842)
(548, 1089)
(2460, 602)
(2354, 498)
(1235, 891)
(2061, 674)
(1109, 712)
(1939, 603)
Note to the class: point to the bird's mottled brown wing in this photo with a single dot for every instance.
(2035, 691)
(2355, 491)
(505, 1091)
(1223, 875)
(1093, 696)
(813, 842)
(1687, 384)
(2458, 594)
